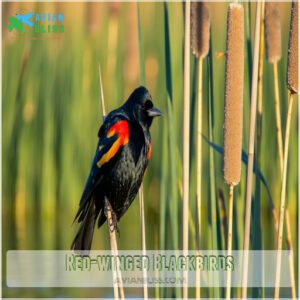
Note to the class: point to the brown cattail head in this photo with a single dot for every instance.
(234, 87)
(273, 32)
(292, 66)
(114, 8)
(200, 28)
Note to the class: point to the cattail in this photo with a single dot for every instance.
(200, 32)
(292, 68)
(234, 94)
(273, 46)
(94, 15)
(200, 28)
(114, 8)
(233, 113)
(292, 81)
(273, 31)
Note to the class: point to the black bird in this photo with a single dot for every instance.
(120, 161)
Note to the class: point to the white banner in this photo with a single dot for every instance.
(164, 268)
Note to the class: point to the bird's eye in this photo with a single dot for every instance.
(148, 104)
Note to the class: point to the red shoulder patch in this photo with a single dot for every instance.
(121, 128)
(149, 151)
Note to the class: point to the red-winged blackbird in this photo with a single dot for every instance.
(120, 161)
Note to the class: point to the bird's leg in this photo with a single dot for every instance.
(111, 216)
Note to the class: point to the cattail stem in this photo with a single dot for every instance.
(141, 52)
(282, 198)
(251, 150)
(199, 168)
(278, 116)
(143, 234)
(257, 227)
(229, 240)
(101, 95)
(113, 245)
(291, 254)
(223, 218)
(141, 192)
(199, 146)
(112, 234)
(186, 139)
(212, 175)
(200, 33)
(280, 152)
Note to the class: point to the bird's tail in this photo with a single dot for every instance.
(84, 236)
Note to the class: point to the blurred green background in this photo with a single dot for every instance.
(51, 115)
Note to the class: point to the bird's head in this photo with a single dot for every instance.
(141, 108)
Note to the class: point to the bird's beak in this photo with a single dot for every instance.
(154, 112)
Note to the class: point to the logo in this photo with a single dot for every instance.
(37, 23)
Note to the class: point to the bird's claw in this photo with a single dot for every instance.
(113, 223)
(112, 220)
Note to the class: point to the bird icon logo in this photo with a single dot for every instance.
(20, 20)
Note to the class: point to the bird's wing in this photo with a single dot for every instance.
(29, 15)
(113, 135)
